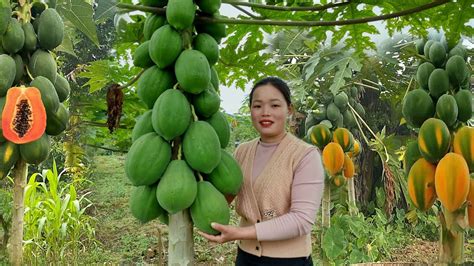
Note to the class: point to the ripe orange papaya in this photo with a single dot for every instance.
(421, 184)
(470, 204)
(333, 158)
(24, 115)
(348, 167)
(452, 181)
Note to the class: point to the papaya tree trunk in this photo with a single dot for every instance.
(180, 239)
(451, 241)
(326, 217)
(351, 197)
(16, 246)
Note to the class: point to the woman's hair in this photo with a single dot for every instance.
(278, 83)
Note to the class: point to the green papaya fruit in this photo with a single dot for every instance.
(206, 103)
(216, 30)
(464, 103)
(219, 122)
(141, 57)
(437, 54)
(147, 159)
(438, 83)
(14, 38)
(171, 114)
(43, 64)
(214, 79)
(57, 122)
(143, 204)
(153, 83)
(63, 89)
(20, 68)
(209, 6)
(49, 96)
(207, 45)
(227, 177)
(142, 126)
(152, 23)
(333, 112)
(5, 15)
(201, 147)
(208, 207)
(30, 37)
(165, 46)
(50, 29)
(192, 71)
(447, 109)
(177, 188)
(9, 155)
(36, 151)
(180, 13)
(457, 69)
(423, 74)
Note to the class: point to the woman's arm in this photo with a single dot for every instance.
(230, 233)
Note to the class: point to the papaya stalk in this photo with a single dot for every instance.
(326, 215)
(19, 173)
(451, 241)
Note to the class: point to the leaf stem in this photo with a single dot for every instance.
(203, 19)
(130, 83)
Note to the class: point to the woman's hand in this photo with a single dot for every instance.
(230, 233)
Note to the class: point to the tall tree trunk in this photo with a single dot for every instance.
(180, 243)
(351, 196)
(19, 178)
(451, 241)
(326, 216)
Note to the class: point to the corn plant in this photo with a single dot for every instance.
(56, 226)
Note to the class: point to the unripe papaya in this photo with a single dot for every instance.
(192, 71)
(7, 73)
(50, 29)
(219, 122)
(14, 38)
(180, 13)
(206, 103)
(152, 23)
(171, 114)
(207, 45)
(9, 155)
(142, 126)
(144, 205)
(437, 54)
(63, 89)
(447, 109)
(153, 83)
(147, 159)
(141, 57)
(177, 188)
(210, 206)
(464, 103)
(30, 37)
(57, 122)
(37, 151)
(49, 96)
(201, 147)
(438, 83)
(227, 177)
(43, 64)
(165, 46)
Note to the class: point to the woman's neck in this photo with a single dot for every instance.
(273, 139)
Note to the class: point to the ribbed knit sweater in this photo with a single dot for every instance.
(281, 194)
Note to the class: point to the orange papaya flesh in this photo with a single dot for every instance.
(24, 115)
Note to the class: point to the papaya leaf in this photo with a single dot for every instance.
(105, 9)
(80, 14)
(457, 22)
(66, 46)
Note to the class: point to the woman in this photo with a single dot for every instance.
(282, 188)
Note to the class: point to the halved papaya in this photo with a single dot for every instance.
(24, 115)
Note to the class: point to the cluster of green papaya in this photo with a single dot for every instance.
(334, 112)
(444, 92)
(177, 159)
(26, 41)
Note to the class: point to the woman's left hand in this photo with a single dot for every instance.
(229, 233)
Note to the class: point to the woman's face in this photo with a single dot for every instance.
(269, 111)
